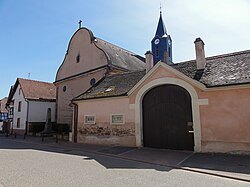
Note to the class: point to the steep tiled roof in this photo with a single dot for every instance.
(221, 70)
(115, 85)
(120, 57)
(227, 69)
(36, 90)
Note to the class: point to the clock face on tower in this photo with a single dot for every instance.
(157, 41)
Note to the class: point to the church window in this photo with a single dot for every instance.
(92, 81)
(169, 51)
(64, 89)
(157, 51)
(78, 58)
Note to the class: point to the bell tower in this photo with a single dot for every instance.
(161, 44)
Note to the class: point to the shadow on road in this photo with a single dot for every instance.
(138, 158)
(99, 153)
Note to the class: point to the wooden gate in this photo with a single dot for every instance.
(167, 118)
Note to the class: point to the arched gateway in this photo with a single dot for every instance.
(167, 118)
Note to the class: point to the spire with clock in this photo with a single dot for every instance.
(161, 44)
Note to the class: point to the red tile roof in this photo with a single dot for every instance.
(37, 90)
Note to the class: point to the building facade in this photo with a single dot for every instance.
(28, 103)
(169, 108)
(3, 112)
(200, 105)
(88, 59)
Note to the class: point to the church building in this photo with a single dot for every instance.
(121, 98)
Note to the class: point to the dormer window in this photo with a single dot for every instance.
(78, 58)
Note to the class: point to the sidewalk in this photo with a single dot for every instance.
(222, 165)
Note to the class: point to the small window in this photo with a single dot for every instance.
(92, 81)
(19, 106)
(18, 123)
(117, 119)
(64, 89)
(78, 58)
(89, 119)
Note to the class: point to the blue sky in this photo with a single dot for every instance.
(34, 34)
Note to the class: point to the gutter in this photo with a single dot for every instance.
(27, 118)
(75, 121)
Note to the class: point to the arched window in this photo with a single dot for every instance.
(78, 58)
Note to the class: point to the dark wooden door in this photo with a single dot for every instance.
(167, 118)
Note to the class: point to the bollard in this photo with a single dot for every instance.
(24, 135)
(15, 135)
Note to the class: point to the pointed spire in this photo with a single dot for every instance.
(161, 29)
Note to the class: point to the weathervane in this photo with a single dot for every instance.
(160, 6)
(80, 24)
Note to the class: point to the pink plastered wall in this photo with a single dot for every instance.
(103, 131)
(224, 121)
(102, 108)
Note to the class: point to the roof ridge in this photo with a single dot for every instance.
(228, 54)
(218, 56)
(31, 80)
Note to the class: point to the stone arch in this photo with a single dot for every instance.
(195, 108)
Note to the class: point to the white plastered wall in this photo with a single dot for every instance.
(38, 111)
(23, 113)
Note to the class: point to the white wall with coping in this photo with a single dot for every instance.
(38, 111)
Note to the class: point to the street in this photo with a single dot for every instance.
(23, 164)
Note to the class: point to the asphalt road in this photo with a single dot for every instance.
(27, 165)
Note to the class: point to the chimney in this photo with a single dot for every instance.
(200, 54)
(149, 60)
